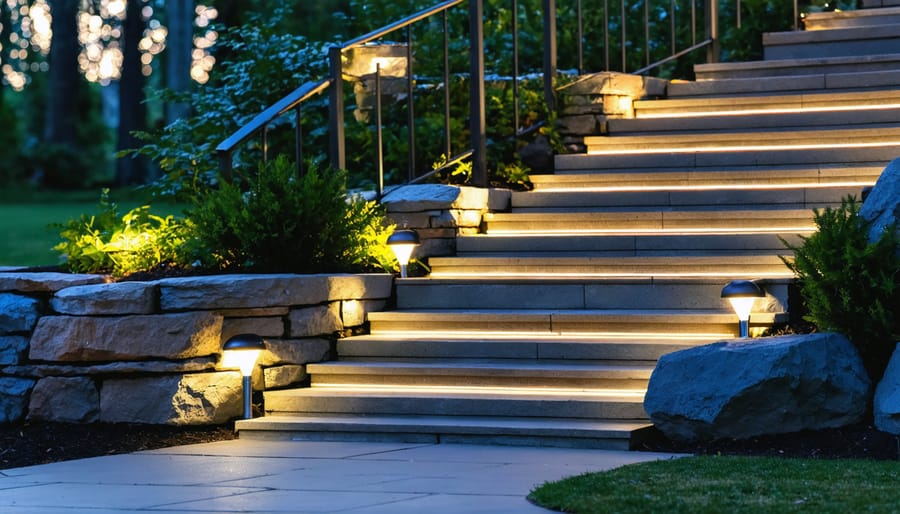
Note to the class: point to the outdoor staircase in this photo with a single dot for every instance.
(545, 328)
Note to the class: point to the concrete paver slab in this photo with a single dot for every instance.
(302, 477)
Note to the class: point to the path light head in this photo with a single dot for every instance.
(742, 294)
(403, 243)
(242, 351)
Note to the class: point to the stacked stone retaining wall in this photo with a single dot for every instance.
(79, 348)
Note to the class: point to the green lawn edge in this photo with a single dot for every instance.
(714, 484)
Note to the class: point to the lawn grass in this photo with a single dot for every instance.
(720, 484)
(27, 218)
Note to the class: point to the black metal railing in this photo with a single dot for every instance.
(664, 32)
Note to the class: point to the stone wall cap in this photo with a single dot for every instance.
(45, 281)
(423, 197)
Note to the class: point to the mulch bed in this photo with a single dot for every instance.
(31, 443)
(860, 441)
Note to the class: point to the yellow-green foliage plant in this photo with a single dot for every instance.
(851, 285)
(279, 222)
(107, 243)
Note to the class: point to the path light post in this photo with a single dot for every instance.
(403, 243)
(242, 351)
(742, 294)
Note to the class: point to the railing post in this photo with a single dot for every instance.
(712, 30)
(338, 155)
(476, 92)
(549, 52)
(226, 165)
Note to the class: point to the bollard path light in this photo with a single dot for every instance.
(742, 294)
(403, 243)
(242, 351)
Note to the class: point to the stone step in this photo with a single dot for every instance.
(738, 121)
(882, 62)
(836, 42)
(797, 197)
(581, 223)
(612, 348)
(514, 265)
(482, 373)
(756, 104)
(606, 404)
(773, 155)
(511, 430)
(740, 140)
(815, 21)
(624, 245)
(564, 179)
(594, 322)
(813, 81)
(578, 292)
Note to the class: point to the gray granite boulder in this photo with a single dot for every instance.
(751, 387)
(882, 206)
(14, 398)
(887, 397)
(18, 313)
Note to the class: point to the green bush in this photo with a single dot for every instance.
(850, 285)
(286, 223)
(108, 243)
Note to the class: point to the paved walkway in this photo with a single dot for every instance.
(302, 477)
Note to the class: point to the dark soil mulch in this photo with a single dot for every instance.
(861, 441)
(31, 443)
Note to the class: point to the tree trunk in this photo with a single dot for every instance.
(62, 79)
(132, 112)
(179, 44)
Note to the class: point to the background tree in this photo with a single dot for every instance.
(132, 112)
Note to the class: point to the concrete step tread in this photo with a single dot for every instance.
(828, 20)
(542, 394)
(795, 63)
(774, 137)
(531, 338)
(733, 213)
(804, 81)
(493, 367)
(445, 424)
(873, 31)
(564, 179)
(528, 315)
(799, 101)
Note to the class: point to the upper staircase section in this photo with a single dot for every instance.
(544, 328)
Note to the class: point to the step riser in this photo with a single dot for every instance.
(625, 245)
(481, 381)
(347, 434)
(519, 269)
(886, 45)
(865, 101)
(624, 351)
(678, 178)
(650, 126)
(847, 19)
(798, 198)
(815, 83)
(711, 221)
(430, 406)
(608, 295)
(790, 68)
(561, 327)
(879, 156)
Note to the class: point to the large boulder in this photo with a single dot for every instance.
(887, 397)
(882, 205)
(750, 387)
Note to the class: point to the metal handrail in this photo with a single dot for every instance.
(708, 25)
(279, 108)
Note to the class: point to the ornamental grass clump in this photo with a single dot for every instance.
(851, 285)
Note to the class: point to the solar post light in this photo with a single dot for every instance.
(742, 294)
(403, 243)
(242, 351)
